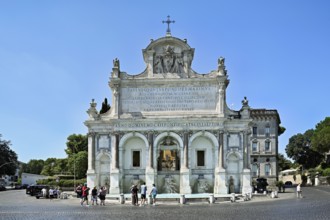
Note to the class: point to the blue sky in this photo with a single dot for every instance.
(55, 56)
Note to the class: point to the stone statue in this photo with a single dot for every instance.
(221, 63)
(158, 65)
(245, 102)
(231, 185)
(116, 63)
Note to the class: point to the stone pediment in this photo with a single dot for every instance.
(168, 57)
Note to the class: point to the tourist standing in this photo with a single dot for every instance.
(102, 193)
(153, 194)
(134, 191)
(143, 190)
(94, 195)
(299, 191)
(85, 193)
(51, 193)
(79, 191)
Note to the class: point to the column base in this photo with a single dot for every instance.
(185, 181)
(114, 182)
(246, 182)
(220, 186)
(150, 177)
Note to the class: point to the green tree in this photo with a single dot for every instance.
(76, 143)
(61, 166)
(8, 158)
(78, 164)
(48, 169)
(105, 106)
(321, 137)
(299, 149)
(34, 166)
(283, 163)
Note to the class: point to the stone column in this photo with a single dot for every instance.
(220, 173)
(185, 150)
(91, 176)
(222, 99)
(150, 171)
(220, 162)
(246, 181)
(116, 99)
(151, 149)
(114, 173)
(184, 171)
(91, 151)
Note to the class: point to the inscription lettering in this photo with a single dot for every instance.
(169, 99)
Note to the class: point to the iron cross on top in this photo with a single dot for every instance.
(168, 21)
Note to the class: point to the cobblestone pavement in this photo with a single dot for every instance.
(315, 204)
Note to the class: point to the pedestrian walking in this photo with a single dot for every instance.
(85, 193)
(299, 191)
(153, 194)
(94, 196)
(143, 190)
(134, 191)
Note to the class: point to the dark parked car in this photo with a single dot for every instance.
(24, 186)
(2, 188)
(35, 189)
(40, 194)
(288, 183)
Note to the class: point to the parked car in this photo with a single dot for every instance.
(36, 189)
(2, 188)
(24, 186)
(41, 195)
(288, 183)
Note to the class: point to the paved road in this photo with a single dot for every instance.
(15, 204)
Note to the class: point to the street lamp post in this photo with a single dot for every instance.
(74, 167)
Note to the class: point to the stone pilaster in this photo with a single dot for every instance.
(114, 173)
(185, 171)
(220, 173)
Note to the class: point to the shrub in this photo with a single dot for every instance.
(326, 172)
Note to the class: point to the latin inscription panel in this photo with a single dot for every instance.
(193, 98)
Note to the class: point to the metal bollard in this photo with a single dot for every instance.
(182, 199)
(122, 199)
(211, 199)
(233, 198)
(149, 200)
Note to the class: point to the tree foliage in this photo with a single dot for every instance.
(321, 138)
(300, 150)
(8, 158)
(76, 143)
(105, 106)
(281, 130)
(34, 166)
(283, 163)
(78, 164)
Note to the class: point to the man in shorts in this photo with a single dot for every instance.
(143, 190)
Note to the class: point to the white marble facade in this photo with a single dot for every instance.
(171, 126)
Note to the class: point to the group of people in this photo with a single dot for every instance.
(143, 191)
(83, 193)
(52, 193)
